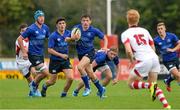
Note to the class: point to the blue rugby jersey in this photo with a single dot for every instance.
(101, 58)
(36, 37)
(170, 41)
(57, 42)
(85, 44)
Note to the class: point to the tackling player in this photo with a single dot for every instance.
(100, 64)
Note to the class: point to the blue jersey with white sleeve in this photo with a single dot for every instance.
(85, 43)
(169, 41)
(36, 37)
(57, 42)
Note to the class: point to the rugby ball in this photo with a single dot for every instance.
(76, 31)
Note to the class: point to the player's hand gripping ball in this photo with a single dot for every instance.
(76, 33)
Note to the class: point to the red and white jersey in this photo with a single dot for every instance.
(19, 57)
(140, 41)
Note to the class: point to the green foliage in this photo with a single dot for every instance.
(15, 12)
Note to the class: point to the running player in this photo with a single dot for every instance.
(140, 50)
(59, 60)
(86, 53)
(36, 33)
(167, 45)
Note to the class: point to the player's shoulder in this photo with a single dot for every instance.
(169, 34)
(53, 34)
(67, 31)
(156, 38)
(77, 26)
(45, 26)
(101, 53)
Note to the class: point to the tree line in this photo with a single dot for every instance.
(15, 12)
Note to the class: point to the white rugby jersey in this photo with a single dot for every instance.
(140, 41)
(19, 57)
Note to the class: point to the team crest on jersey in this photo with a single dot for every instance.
(36, 32)
(160, 43)
(44, 31)
(88, 34)
(168, 40)
(58, 39)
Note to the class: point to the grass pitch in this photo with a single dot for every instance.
(14, 95)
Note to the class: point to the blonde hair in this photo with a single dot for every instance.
(161, 24)
(114, 49)
(133, 16)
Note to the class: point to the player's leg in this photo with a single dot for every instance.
(108, 74)
(69, 80)
(78, 88)
(139, 71)
(81, 68)
(38, 63)
(54, 69)
(173, 68)
(156, 91)
(94, 79)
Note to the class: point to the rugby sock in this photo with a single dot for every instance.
(169, 79)
(98, 85)
(161, 97)
(86, 81)
(34, 84)
(44, 87)
(140, 85)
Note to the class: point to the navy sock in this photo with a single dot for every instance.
(169, 79)
(44, 87)
(34, 84)
(98, 85)
(86, 81)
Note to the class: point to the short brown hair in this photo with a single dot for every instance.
(24, 25)
(60, 19)
(133, 16)
(86, 16)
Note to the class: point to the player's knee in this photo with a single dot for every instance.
(79, 67)
(109, 77)
(52, 82)
(70, 78)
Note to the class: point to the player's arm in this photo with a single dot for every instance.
(115, 80)
(54, 52)
(24, 51)
(129, 52)
(72, 38)
(94, 63)
(105, 42)
(153, 47)
(175, 48)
